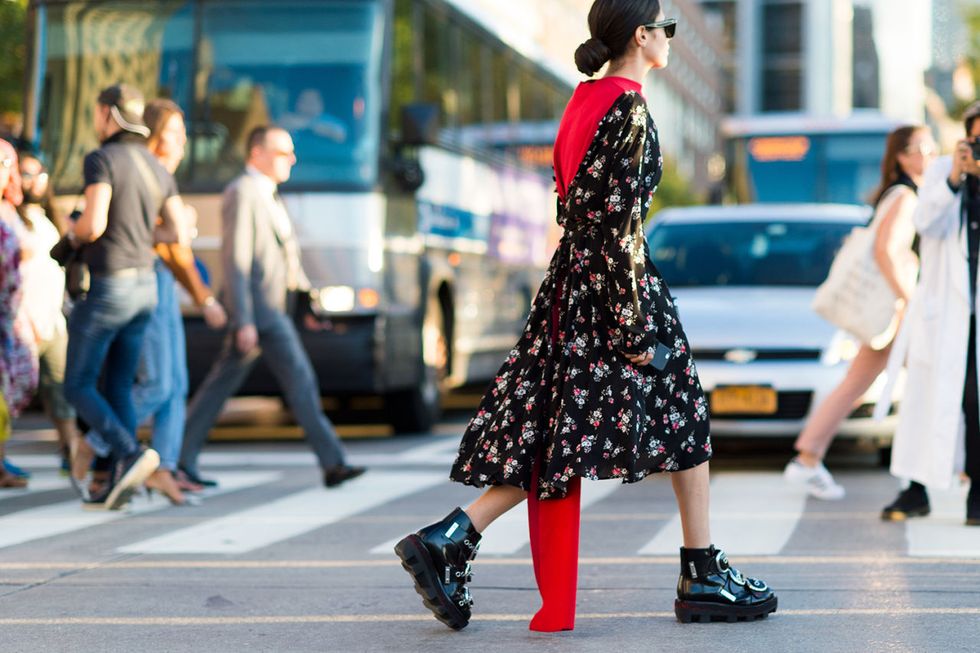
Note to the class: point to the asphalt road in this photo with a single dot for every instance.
(274, 562)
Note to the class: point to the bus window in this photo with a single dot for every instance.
(90, 46)
(296, 65)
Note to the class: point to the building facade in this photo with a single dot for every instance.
(824, 57)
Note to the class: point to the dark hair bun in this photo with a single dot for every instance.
(591, 56)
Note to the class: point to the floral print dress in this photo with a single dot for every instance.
(567, 399)
(18, 358)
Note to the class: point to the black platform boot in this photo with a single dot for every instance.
(913, 501)
(710, 589)
(438, 558)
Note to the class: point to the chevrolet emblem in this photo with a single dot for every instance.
(740, 356)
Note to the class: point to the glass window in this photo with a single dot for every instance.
(500, 80)
(472, 79)
(782, 56)
(404, 77)
(764, 253)
(309, 68)
(437, 78)
(89, 46)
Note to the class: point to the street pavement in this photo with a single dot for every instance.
(272, 561)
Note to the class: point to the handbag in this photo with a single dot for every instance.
(69, 256)
(855, 296)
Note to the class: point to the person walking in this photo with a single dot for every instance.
(161, 388)
(938, 433)
(126, 188)
(601, 384)
(18, 357)
(44, 296)
(262, 278)
(908, 151)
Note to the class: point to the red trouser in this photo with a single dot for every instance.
(554, 528)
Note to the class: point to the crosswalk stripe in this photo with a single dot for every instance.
(246, 530)
(508, 534)
(942, 534)
(777, 509)
(39, 482)
(67, 516)
(441, 453)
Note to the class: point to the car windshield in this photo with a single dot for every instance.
(763, 253)
(310, 66)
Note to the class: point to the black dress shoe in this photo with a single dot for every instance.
(710, 589)
(913, 501)
(333, 476)
(194, 478)
(438, 559)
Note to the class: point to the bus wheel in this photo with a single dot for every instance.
(417, 409)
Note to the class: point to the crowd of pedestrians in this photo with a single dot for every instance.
(118, 359)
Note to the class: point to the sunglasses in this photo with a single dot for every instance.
(669, 25)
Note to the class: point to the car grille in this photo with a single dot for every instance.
(789, 405)
(760, 354)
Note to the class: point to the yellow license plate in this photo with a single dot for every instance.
(744, 400)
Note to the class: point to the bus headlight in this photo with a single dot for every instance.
(336, 299)
(344, 299)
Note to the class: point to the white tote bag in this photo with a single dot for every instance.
(856, 297)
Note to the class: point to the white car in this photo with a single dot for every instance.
(743, 278)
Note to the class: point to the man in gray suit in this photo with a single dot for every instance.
(262, 273)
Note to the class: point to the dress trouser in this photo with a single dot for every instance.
(288, 362)
(971, 406)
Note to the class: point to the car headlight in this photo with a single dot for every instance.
(842, 348)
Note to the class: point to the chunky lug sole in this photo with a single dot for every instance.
(132, 480)
(418, 563)
(902, 515)
(706, 611)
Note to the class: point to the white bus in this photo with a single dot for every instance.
(426, 247)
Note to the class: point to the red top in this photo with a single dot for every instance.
(590, 102)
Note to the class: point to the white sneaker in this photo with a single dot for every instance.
(817, 480)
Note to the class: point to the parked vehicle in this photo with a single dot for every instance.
(743, 278)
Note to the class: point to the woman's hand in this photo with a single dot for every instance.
(641, 359)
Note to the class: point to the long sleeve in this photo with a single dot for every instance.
(180, 260)
(937, 215)
(237, 253)
(624, 253)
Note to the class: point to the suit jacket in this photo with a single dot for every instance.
(256, 254)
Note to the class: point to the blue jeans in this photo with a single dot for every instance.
(105, 335)
(161, 378)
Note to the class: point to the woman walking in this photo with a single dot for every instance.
(938, 433)
(601, 384)
(908, 151)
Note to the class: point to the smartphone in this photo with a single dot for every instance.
(661, 354)
(975, 148)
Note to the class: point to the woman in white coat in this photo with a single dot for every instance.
(938, 433)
